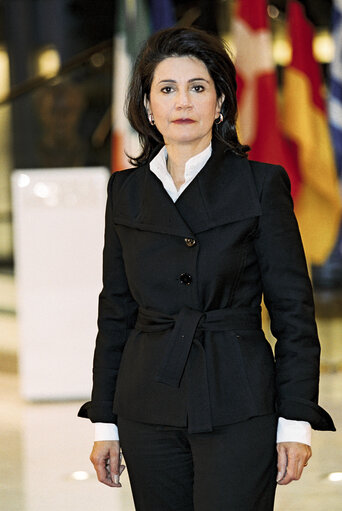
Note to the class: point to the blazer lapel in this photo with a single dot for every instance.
(158, 209)
(145, 205)
(222, 192)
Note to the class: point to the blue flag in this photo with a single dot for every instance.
(162, 14)
(329, 276)
(335, 97)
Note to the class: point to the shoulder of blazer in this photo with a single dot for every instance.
(125, 183)
(123, 177)
(270, 177)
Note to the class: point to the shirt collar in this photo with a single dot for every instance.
(159, 166)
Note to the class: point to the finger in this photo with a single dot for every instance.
(282, 463)
(115, 458)
(300, 469)
(100, 463)
(308, 453)
(291, 469)
(300, 458)
(303, 462)
(102, 472)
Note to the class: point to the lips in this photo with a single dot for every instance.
(183, 121)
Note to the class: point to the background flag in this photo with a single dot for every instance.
(132, 28)
(162, 14)
(257, 89)
(330, 274)
(318, 205)
(335, 97)
(136, 20)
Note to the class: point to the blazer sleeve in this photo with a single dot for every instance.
(116, 316)
(289, 299)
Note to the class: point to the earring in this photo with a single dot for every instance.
(219, 119)
(151, 120)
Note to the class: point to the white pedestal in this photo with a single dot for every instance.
(58, 241)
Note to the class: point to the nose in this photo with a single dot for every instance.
(183, 100)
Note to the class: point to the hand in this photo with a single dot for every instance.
(106, 459)
(292, 458)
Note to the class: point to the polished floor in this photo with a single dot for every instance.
(44, 447)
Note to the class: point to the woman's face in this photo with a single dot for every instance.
(183, 101)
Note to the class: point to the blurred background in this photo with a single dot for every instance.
(64, 68)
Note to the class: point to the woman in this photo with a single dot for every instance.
(194, 235)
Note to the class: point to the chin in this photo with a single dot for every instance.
(182, 138)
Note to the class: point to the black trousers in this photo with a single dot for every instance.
(232, 468)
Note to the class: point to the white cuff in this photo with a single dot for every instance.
(106, 431)
(293, 431)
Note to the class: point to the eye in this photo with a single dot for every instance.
(167, 89)
(198, 88)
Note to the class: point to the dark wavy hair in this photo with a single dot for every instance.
(181, 42)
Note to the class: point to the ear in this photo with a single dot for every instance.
(220, 103)
(147, 105)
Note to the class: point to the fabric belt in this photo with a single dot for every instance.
(186, 327)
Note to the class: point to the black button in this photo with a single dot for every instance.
(190, 242)
(185, 278)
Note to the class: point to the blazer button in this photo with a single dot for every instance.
(190, 242)
(185, 278)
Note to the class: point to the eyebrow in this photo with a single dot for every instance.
(189, 81)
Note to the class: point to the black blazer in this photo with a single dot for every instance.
(179, 340)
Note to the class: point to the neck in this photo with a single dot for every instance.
(178, 155)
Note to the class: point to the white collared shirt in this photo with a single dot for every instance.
(192, 167)
(288, 430)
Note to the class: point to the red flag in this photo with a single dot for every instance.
(259, 124)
